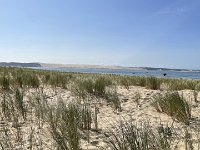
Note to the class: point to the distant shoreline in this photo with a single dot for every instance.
(83, 66)
(86, 66)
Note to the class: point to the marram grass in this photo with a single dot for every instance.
(174, 105)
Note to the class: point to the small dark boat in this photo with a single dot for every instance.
(164, 74)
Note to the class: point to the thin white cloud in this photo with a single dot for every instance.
(169, 11)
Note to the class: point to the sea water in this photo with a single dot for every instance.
(143, 72)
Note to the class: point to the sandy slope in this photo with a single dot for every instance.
(139, 111)
(142, 111)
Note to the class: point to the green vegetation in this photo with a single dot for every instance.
(113, 99)
(5, 82)
(128, 136)
(92, 83)
(153, 83)
(174, 105)
(64, 122)
(67, 122)
(20, 103)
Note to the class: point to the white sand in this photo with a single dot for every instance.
(140, 111)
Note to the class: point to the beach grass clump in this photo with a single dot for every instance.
(197, 87)
(191, 84)
(128, 81)
(58, 79)
(113, 99)
(100, 86)
(195, 94)
(153, 83)
(7, 106)
(19, 102)
(91, 87)
(38, 106)
(129, 136)
(20, 77)
(63, 125)
(13, 106)
(88, 85)
(188, 141)
(82, 88)
(19, 81)
(140, 81)
(52, 80)
(174, 105)
(125, 81)
(46, 78)
(180, 84)
(5, 82)
(70, 123)
(32, 80)
(66, 123)
(86, 117)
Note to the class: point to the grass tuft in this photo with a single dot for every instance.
(174, 105)
(5, 82)
(20, 103)
(153, 83)
(128, 136)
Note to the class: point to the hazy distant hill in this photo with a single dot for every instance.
(108, 67)
(165, 69)
(87, 66)
(17, 64)
(46, 65)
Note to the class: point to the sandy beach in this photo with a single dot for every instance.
(35, 110)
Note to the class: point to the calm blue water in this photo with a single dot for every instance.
(157, 73)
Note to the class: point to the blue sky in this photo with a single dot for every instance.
(154, 33)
